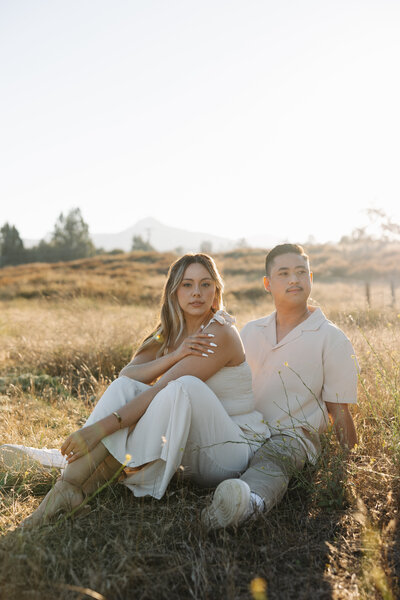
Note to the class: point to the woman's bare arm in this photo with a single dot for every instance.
(146, 367)
(228, 348)
(228, 345)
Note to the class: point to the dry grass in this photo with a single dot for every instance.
(81, 342)
(124, 278)
(136, 278)
(334, 535)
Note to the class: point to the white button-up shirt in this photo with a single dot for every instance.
(313, 364)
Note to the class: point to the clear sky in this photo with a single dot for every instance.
(225, 116)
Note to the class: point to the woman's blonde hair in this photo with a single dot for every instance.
(172, 321)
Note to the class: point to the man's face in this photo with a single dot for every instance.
(289, 280)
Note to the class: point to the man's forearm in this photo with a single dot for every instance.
(346, 433)
(343, 424)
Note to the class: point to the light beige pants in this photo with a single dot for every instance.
(272, 466)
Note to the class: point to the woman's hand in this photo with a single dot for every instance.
(198, 344)
(81, 442)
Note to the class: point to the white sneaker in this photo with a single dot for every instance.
(231, 505)
(18, 457)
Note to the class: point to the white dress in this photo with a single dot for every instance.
(209, 430)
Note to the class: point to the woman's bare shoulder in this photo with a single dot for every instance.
(223, 332)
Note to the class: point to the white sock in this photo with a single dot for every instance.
(257, 502)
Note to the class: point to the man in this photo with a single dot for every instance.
(304, 374)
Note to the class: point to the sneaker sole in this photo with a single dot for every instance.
(230, 505)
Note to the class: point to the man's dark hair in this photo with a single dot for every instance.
(283, 249)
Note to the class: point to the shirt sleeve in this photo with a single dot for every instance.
(243, 333)
(340, 372)
(248, 342)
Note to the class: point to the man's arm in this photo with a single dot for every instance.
(343, 424)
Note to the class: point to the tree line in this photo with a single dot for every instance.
(69, 240)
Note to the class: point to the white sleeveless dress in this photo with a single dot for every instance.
(208, 430)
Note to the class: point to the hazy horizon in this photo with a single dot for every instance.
(225, 117)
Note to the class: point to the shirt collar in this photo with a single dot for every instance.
(312, 323)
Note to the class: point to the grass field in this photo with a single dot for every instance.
(335, 534)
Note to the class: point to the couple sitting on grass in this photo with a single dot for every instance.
(240, 413)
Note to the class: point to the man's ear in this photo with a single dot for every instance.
(266, 284)
(311, 276)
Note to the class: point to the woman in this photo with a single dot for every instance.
(159, 413)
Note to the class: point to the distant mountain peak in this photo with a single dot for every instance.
(162, 237)
(166, 238)
(149, 222)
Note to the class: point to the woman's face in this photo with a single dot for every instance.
(196, 291)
